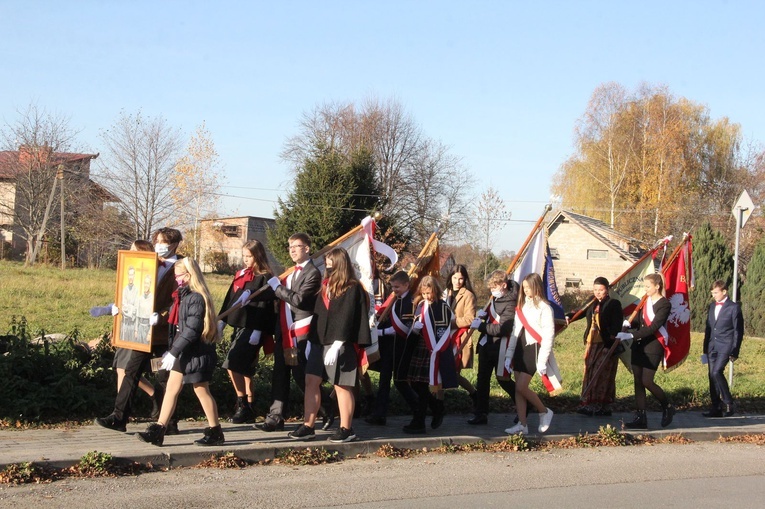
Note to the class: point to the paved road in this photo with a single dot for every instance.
(705, 474)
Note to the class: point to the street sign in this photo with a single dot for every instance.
(744, 206)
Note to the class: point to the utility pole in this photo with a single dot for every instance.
(60, 177)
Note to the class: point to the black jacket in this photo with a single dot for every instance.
(346, 319)
(725, 334)
(611, 320)
(302, 295)
(259, 313)
(661, 309)
(505, 307)
(186, 341)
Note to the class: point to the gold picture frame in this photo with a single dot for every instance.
(134, 297)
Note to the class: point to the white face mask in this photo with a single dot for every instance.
(496, 294)
(162, 250)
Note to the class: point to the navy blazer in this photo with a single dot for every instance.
(725, 334)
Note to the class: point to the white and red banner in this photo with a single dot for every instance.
(629, 288)
(678, 275)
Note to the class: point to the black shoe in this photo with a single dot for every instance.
(728, 411)
(478, 419)
(375, 420)
(343, 435)
(270, 426)
(111, 422)
(172, 428)
(156, 401)
(212, 436)
(639, 422)
(154, 434)
(714, 412)
(666, 416)
(416, 427)
(244, 414)
(302, 433)
(585, 410)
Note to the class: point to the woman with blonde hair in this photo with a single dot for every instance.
(649, 339)
(530, 351)
(191, 356)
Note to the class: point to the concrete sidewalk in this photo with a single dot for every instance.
(65, 447)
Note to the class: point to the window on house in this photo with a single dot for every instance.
(573, 283)
(597, 254)
(231, 230)
(554, 253)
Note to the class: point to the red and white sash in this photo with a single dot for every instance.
(504, 342)
(435, 345)
(552, 379)
(398, 325)
(292, 331)
(661, 334)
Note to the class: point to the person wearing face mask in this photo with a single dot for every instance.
(495, 323)
(191, 355)
(604, 322)
(166, 242)
(428, 357)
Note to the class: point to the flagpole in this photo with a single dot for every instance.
(534, 230)
(579, 312)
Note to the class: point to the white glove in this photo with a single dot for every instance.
(508, 361)
(221, 326)
(627, 324)
(255, 338)
(330, 358)
(624, 336)
(388, 331)
(476, 323)
(274, 283)
(542, 370)
(167, 361)
(101, 311)
(242, 298)
(307, 350)
(482, 314)
(154, 319)
(115, 310)
(417, 326)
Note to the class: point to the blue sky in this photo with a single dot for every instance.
(501, 83)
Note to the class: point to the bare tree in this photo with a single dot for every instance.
(33, 144)
(490, 215)
(139, 168)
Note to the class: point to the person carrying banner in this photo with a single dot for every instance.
(604, 322)
(723, 335)
(531, 351)
(393, 335)
(428, 358)
(297, 294)
(339, 332)
(253, 322)
(649, 337)
(461, 300)
(495, 323)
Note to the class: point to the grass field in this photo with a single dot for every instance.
(58, 301)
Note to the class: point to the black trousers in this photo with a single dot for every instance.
(391, 352)
(138, 363)
(719, 391)
(280, 381)
(488, 357)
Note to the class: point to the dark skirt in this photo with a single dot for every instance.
(647, 355)
(344, 371)
(601, 388)
(525, 358)
(121, 357)
(315, 363)
(418, 364)
(197, 367)
(242, 356)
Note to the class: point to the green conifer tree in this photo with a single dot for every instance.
(712, 260)
(753, 293)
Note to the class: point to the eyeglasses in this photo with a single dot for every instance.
(297, 246)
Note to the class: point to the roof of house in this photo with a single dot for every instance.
(603, 233)
(10, 158)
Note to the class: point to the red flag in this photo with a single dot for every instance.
(677, 278)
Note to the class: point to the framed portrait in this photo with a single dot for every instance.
(134, 296)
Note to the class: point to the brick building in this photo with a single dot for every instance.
(223, 238)
(584, 248)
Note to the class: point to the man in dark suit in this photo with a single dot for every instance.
(297, 297)
(166, 242)
(722, 343)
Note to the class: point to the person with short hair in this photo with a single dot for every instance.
(723, 335)
(649, 336)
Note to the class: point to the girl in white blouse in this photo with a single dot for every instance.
(530, 351)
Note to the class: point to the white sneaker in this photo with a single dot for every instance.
(518, 428)
(545, 420)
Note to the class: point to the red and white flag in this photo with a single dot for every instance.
(678, 276)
